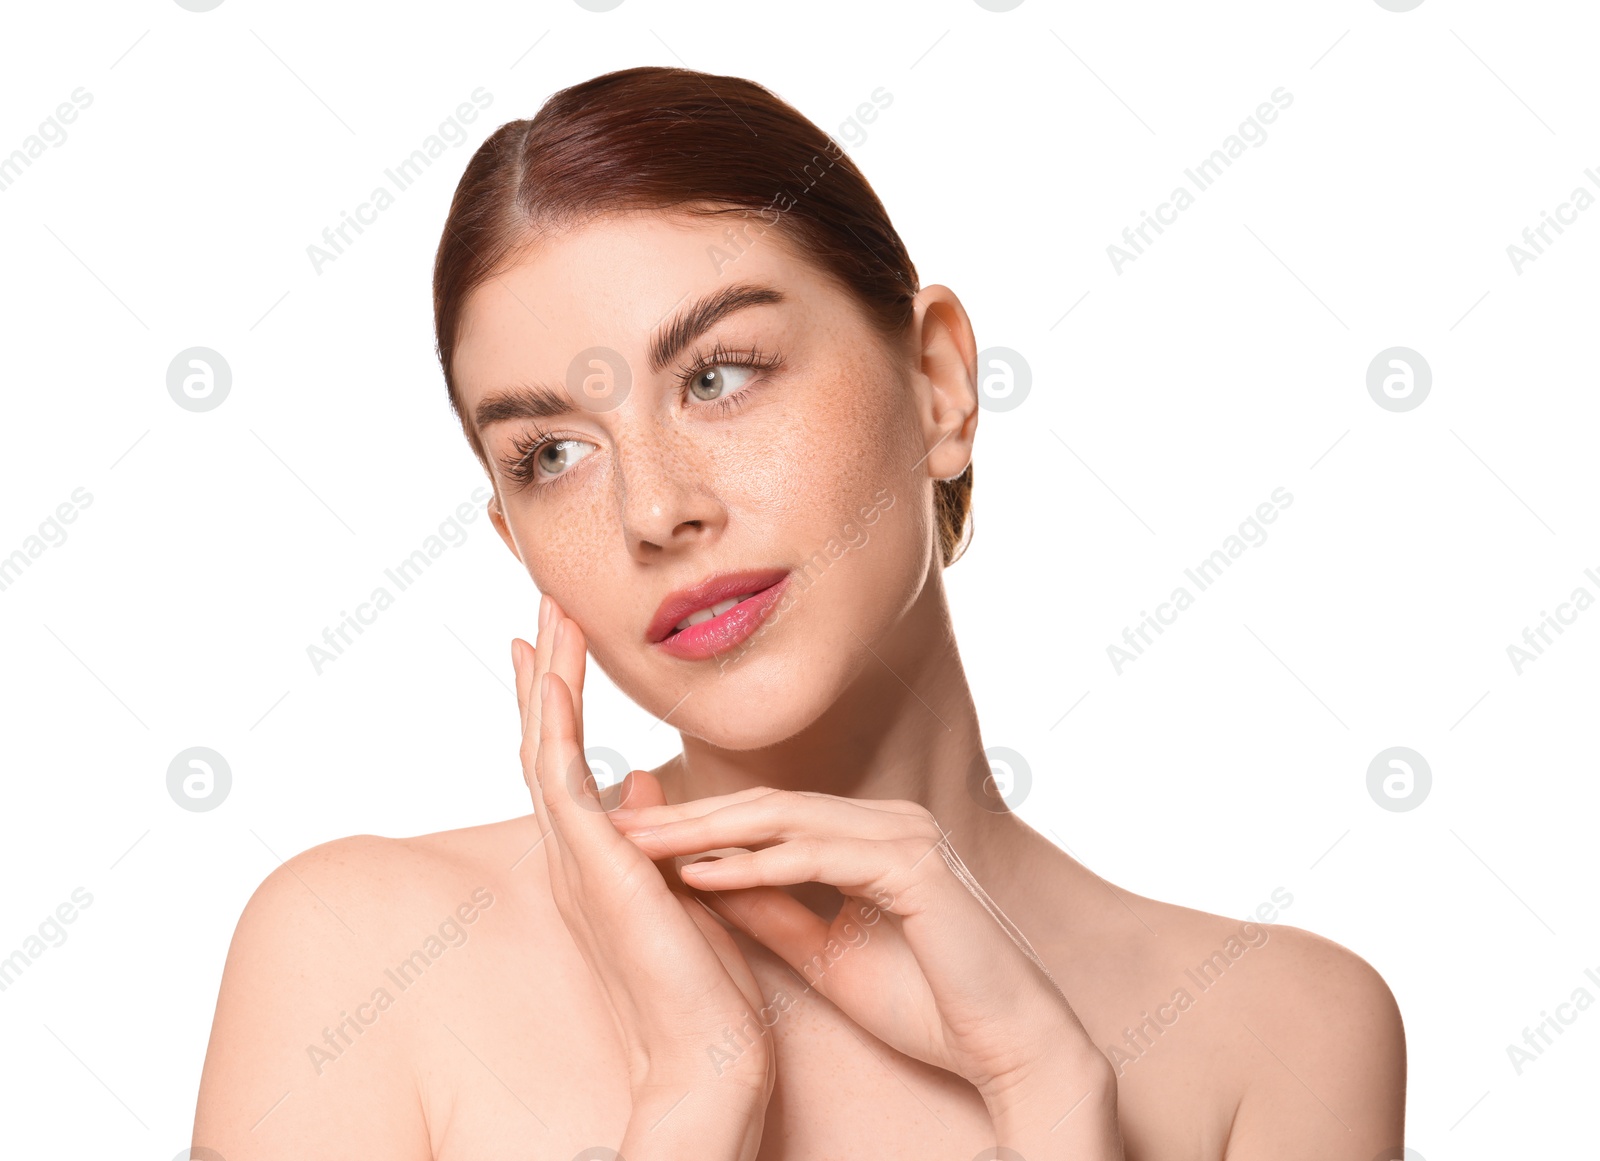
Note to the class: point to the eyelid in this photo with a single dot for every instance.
(752, 357)
(521, 466)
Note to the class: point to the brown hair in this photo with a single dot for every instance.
(690, 142)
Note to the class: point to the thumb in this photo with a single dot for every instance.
(642, 788)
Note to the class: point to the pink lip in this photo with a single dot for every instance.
(720, 633)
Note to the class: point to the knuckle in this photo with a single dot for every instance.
(914, 813)
(916, 850)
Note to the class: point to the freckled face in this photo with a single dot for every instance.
(784, 436)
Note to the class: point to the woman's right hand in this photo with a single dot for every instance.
(675, 981)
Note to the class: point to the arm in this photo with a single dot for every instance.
(280, 1078)
(1327, 1052)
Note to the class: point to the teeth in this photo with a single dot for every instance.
(715, 610)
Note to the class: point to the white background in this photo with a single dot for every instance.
(1167, 401)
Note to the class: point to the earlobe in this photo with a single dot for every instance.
(947, 365)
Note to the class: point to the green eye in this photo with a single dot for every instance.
(714, 382)
(558, 455)
(542, 459)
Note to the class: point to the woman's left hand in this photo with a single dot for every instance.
(918, 955)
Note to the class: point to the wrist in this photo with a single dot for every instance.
(672, 1120)
(1066, 1105)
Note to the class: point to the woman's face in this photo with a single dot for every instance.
(643, 446)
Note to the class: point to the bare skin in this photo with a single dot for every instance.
(500, 1041)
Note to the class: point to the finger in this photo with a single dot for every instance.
(733, 961)
(523, 684)
(661, 813)
(564, 774)
(960, 939)
(524, 663)
(568, 650)
(542, 647)
(787, 801)
(525, 688)
(796, 934)
(523, 660)
(754, 822)
(854, 866)
(530, 667)
(773, 918)
(642, 788)
(567, 661)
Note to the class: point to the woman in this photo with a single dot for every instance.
(730, 438)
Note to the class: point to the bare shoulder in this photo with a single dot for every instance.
(1330, 1074)
(1300, 1037)
(1239, 1038)
(333, 964)
(353, 896)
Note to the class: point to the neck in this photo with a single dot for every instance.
(906, 728)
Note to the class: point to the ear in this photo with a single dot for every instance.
(947, 376)
(497, 517)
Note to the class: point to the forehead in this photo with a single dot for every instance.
(612, 282)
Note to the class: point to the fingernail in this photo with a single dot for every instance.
(561, 630)
(544, 609)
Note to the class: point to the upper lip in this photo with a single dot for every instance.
(718, 587)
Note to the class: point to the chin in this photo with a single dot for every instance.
(749, 723)
(757, 704)
(761, 700)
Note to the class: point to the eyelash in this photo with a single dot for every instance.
(520, 467)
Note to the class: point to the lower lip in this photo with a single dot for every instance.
(712, 638)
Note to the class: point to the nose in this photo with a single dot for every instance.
(665, 502)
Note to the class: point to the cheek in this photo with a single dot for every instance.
(567, 544)
(816, 462)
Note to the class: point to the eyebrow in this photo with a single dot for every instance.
(701, 316)
(541, 401)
